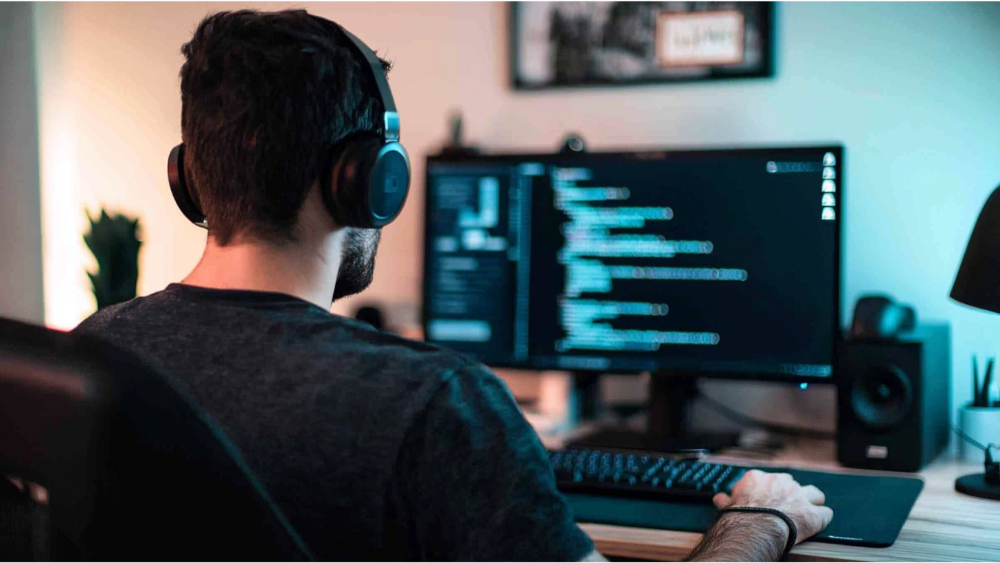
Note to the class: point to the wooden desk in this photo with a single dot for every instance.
(943, 525)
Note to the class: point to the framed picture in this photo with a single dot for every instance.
(575, 44)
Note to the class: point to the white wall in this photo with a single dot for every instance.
(20, 233)
(910, 89)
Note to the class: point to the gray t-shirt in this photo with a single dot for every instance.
(374, 446)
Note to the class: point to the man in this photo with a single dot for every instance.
(374, 446)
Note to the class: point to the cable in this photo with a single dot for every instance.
(969, 439)
(992, 473)
(743, 419)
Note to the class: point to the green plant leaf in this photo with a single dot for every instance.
(113, 240)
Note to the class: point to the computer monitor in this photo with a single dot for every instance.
(722, 263)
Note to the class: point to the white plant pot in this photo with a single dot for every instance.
(982, 424)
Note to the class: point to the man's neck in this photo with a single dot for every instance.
(308, 272)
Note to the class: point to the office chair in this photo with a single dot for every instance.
(132, 469)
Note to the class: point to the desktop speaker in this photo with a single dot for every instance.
(893, 400)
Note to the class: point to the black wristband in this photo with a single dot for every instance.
(793, 532)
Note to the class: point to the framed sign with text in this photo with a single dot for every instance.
(571, 44)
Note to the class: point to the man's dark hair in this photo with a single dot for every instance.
(265, 97)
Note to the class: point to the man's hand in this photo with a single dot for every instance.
(804, 505)
(762, 537)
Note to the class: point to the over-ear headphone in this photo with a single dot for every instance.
(369, 174)
(878, 317)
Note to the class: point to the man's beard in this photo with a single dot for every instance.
(357, 267)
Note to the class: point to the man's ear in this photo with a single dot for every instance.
(314, 218)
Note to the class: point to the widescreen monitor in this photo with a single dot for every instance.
(717, 262)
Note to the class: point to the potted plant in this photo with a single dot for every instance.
(980, 419)
(114, 241)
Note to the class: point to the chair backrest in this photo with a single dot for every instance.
(132, 468)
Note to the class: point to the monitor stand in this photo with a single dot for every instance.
(668, 430)
(585, 396)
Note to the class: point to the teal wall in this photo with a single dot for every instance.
(914, 93)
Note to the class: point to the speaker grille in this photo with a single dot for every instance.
(881, 396)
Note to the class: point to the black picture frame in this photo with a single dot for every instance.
(764, 19)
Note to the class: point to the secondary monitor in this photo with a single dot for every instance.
(719, 262)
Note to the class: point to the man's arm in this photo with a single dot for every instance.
(759, 537)
(762, 537)
(475, 481)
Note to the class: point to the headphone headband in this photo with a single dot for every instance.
(391, 117)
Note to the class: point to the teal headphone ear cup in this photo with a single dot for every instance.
(369, 181)
(389, 184)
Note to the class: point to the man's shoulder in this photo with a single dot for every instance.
(308, 338)
(101, 319)
(395, 354)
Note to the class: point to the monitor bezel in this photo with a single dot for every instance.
(836, 337)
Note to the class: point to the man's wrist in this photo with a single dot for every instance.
(767, 524)
(740, 536)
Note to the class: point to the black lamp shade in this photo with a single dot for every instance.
(978, 280)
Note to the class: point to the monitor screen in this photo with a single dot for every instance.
(721, 262)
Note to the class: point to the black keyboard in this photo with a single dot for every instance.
(644, 474)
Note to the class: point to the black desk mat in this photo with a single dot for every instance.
(867, 510)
